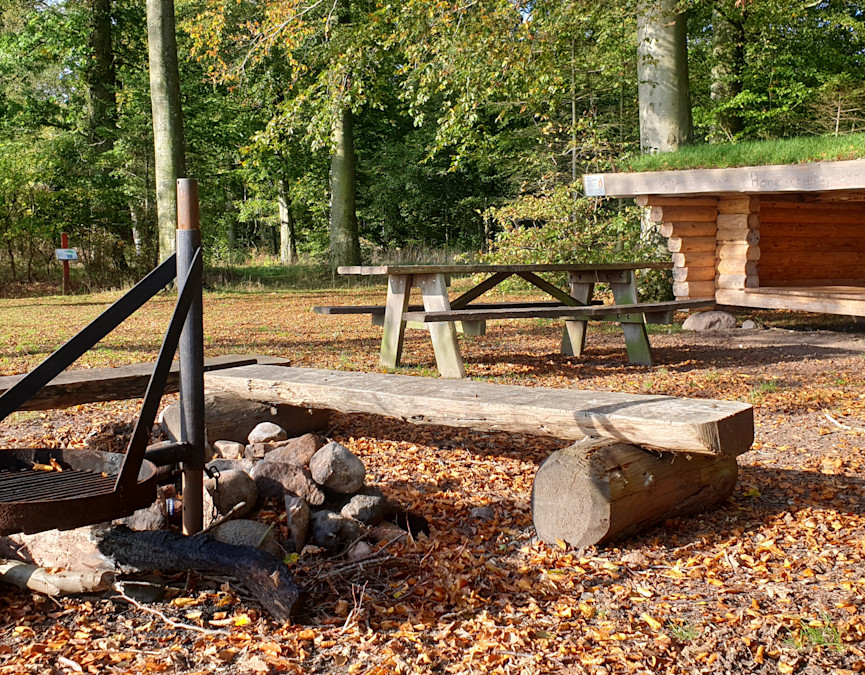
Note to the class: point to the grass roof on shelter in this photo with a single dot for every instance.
(797, 150)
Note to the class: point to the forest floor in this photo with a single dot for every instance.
(771, 581)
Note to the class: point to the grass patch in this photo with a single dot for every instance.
(753, 153)
(682, 632)
(819, 633)
(760, 389)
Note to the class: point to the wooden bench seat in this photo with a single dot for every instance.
(379, 309)
(632, 313)
(90, 385)
(702, 426)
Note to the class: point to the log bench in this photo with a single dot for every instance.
(638, 460)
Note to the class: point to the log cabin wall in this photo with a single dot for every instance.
(807, 243)
(689, 224)
(738, 236)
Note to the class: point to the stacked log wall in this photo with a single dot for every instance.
(738, 242)
(689, 224)
(811, 243)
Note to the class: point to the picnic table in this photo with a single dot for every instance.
(443, 317)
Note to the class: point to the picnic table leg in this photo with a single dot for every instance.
(398, 290)
(636, 337)
(443, 334)
(574, 335)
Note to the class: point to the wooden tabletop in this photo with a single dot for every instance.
(370, 270)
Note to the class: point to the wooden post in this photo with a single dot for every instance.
(67, 286)
(191, 358)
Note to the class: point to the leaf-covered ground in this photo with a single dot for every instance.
(771, 581)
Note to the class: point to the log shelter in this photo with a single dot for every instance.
(768, 237)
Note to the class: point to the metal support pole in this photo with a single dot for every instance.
(191, 359)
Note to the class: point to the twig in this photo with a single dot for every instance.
(171, 622)
(858, 430)
(219, 521)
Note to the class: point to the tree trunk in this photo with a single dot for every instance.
(344, 238)
(728, 55)
(287, 235)
(597, 490)
(101, 77)
(662, 70)
(169, 154)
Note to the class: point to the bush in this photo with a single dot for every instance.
(562, 226)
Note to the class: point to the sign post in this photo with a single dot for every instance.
(65, 254)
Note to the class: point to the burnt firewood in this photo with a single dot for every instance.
(267, 579)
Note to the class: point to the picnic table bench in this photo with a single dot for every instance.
(444, 317)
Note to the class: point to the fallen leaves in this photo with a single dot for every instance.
(772, 581)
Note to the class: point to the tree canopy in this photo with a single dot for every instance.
(470, 122)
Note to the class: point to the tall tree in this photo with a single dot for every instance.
(662, 69)
(101, 77)
(169, 150)
(728, 55)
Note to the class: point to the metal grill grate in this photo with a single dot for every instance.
(29, 485)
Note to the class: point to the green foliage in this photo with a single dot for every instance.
(560, 226)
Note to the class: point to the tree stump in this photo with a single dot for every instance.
(597, 490)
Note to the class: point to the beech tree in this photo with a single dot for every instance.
(169, 151)
(662, 70)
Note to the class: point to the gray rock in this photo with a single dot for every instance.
(229, 489)
(335, 467)
(748, 324)
(387, 531)
(297, 517)
(298, 451)
(709, 321)
(369, 506)
(274, 479)
(485, 512)
(224, 464)
(249, 533)
(333, 531)
(228, 449)
(256, 450)
(266, 432)
(147, 520)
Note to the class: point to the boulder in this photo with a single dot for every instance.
(709, 321)
(369, 506)
(749, 324)
(274, 479)
(229, 489)
(337, 468)
(333, 531)
(249, 533)
(297, 517)
(298, 451)
(266, 432)
(228, 449)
